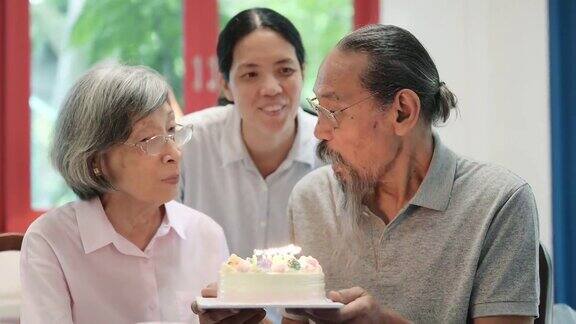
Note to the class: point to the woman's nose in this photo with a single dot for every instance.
(173, 153)
(271, 86)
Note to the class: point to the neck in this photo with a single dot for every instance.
(134, 220)
(403, 178)
(267, 150)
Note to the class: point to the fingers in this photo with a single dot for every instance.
(218, 316)
(195, 309)
(296, 311)
(257, 318)
(324, 315)
(357, 302)
(249, 316)
(346, 296)
(232, 316)
(210, 291)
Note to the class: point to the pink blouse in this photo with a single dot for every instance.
(75, 268)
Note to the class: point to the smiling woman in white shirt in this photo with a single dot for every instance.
(125, 252)
(244, 158)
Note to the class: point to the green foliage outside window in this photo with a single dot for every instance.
(69, 36)
(135, 32)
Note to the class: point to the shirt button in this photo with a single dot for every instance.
(262, 224)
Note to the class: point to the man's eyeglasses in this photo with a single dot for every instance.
(155, 145)
(330, 114)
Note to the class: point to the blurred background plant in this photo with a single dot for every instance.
(69, 36)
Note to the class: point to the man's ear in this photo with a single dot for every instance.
(224, 85)
(406, 111)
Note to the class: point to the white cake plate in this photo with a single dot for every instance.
(215, 303)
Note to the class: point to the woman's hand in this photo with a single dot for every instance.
(226, 316)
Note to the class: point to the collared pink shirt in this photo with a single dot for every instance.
(75, 268)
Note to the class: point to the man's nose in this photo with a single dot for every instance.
(324, 129)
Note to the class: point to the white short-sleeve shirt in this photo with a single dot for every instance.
(75, 268)
(220, 179)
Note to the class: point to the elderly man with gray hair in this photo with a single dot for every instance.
(420, 233)
(125, 252)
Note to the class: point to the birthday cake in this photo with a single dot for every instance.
(272, 275)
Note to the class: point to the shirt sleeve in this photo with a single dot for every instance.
(224, 251)
(294, 317)
(507, 281)
(45, 294)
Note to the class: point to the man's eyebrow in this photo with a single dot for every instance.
(329, 95)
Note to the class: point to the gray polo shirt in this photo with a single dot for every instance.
(465, 246)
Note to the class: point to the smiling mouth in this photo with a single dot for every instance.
(272, 109)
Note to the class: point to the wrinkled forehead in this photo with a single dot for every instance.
(340, 74)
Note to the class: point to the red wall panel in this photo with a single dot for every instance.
(366, 12)
(16, 117)
(201, 84)
(200, 90)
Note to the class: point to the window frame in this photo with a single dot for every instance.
(16, 212)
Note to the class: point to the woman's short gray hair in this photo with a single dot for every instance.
(98, 112)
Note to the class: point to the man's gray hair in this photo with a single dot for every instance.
(397, 60)
(99, 112)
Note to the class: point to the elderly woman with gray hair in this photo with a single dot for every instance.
(125, 252)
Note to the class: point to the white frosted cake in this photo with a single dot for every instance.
(273, 275)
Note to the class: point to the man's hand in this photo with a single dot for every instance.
(227, 316)
(359, 307)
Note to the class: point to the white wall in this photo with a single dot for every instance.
(494, 55)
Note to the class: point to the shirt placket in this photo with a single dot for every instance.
(376, 230)
(264, 212)
(153, 304)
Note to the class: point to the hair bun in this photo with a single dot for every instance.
(446, 101)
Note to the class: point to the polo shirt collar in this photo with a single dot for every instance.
(436, 188)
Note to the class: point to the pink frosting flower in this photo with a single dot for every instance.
(243, 266)
(279, 267)
(310, 264)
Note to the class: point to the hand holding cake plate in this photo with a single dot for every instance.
(209, 316)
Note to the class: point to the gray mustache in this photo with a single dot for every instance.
(326, 155)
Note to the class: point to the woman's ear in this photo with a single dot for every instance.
(225, 86)
(96, 166)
